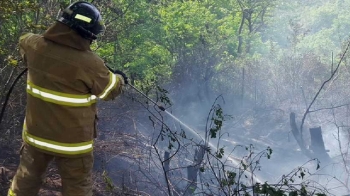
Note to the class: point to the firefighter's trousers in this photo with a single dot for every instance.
(75, 173)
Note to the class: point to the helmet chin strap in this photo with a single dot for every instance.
(89, 34)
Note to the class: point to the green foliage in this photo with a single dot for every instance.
(132, 41)
(269, 190)
(108, 181)
(220, 153)
(217, 119)
(193, 41)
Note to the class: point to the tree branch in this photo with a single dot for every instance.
(322, 86)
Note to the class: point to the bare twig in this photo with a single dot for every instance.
(330, 108)
(322, 86)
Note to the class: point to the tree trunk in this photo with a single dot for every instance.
(317, 145)
(298, 137)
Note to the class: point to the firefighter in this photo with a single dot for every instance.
(65, 79)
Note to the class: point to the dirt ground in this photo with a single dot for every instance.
(8, 165)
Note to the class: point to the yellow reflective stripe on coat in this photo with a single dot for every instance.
(56, 147)
(60, 98)
(11, 193)
(25, 36)
(111, 85)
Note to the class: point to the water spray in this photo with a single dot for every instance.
(170, 114)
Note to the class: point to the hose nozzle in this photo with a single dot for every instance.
(161, 107)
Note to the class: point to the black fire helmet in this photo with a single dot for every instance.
(84, 18)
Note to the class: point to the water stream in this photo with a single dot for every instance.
(186, 126)
(233, 160)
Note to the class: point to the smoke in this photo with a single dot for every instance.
(305, 51)
(259, 99)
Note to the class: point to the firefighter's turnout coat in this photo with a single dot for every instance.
(65, 79)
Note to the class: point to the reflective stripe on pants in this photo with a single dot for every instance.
(56, 147)
(75, 173)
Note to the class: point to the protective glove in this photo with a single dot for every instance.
(123, 75)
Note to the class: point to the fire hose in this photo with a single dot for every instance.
(9, 93)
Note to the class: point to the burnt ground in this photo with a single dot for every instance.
(9, 157)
